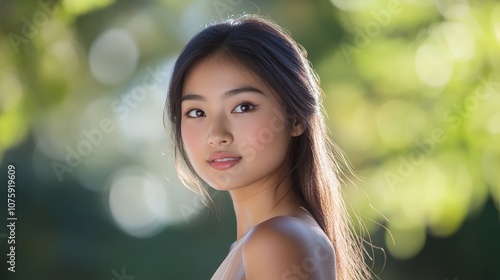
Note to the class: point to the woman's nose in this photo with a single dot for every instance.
(219, 133)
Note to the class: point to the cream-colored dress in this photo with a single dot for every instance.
(232, 267)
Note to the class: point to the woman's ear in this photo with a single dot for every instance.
(297, 129)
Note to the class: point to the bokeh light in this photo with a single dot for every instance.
(137, 202)
(411, 95)
(113, 57)
(434, 66)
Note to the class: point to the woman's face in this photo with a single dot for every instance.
(233, 128)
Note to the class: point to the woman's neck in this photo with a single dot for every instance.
(258, 202)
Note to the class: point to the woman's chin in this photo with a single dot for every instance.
(222, 182)
(224, 186)
(221, 187)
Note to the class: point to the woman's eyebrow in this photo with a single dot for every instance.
(229, 93)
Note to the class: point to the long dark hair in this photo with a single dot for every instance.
(268, 51)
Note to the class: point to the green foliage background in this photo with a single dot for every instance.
(412, 94)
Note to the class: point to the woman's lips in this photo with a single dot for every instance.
(224, 163)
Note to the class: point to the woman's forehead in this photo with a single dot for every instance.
(223, 74)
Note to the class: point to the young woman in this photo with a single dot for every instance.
(246, 116)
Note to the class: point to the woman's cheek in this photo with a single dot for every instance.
(189, 138)
(258, 134)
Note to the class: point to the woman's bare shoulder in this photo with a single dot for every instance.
(286, 228)
(285, 247)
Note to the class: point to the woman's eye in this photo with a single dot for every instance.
(195, 113)
(242, 108)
